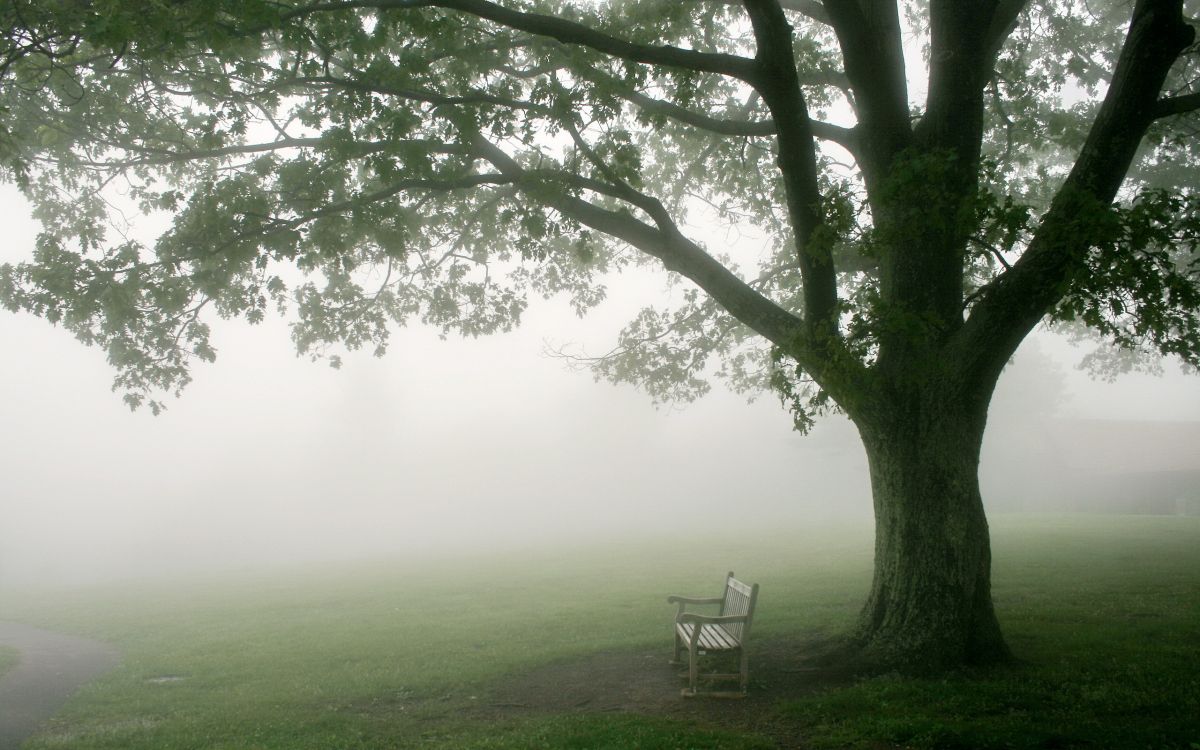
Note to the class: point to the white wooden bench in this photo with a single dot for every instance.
(724, 632)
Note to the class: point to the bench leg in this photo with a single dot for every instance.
(693, 673)
(678, 647)
(745, 671)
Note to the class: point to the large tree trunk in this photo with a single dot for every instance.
(930, 605)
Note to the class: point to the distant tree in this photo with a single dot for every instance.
(442, 160)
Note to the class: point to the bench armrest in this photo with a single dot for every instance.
(683, 601)
(694, 600)
(690, 617)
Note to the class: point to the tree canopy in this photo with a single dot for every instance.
(442, 160)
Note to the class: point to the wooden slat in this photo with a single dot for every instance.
(711, 638)
(715, 637)
(737, 602)
(738, 586)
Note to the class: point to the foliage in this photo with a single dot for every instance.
(1141, 271)
(368, 164)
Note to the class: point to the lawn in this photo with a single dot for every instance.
(1103, 611)
(8, 659)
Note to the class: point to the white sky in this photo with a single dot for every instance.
(441, 444)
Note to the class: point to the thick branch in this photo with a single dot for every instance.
(868, 32)
(650, 105)
(811, 9)
(563, 30)
(965, 39)
(1176, 105)
(921, 271)
(750, 128)
(570, 32)
(678, 253)
(1014, 302)
(959, 68)
(1004, 21)
(779, 84)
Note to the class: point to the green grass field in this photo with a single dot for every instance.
(1103, 611)
(8, 659)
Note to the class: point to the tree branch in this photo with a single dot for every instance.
(1176, 105)
(868, 32)
(779, 84)
(1004, 21)
(1012, 304)
(679, 254)
(842, 136)
(965, 41)
(719, 126)
(563, 30)
(959, 68)
(811, 9)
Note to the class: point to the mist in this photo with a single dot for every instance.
(451, 447)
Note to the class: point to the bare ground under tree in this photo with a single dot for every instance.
(643, 682)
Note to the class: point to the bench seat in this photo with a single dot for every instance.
(711, 638)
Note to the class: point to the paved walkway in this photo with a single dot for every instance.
(51, 668)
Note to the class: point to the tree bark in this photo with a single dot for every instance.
(930, 606)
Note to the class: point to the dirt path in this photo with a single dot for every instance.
(52, 667)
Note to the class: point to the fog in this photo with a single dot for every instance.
(446, 447)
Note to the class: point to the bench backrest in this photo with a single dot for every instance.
(739, 599)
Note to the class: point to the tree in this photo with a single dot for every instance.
(443, 159)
